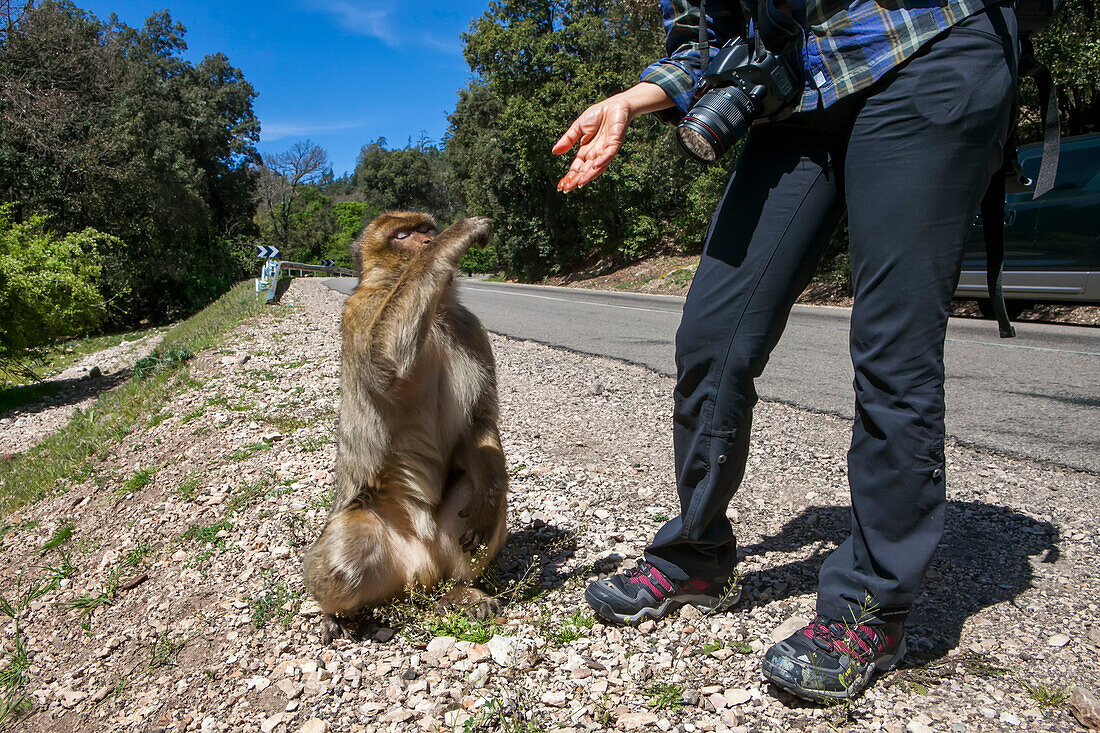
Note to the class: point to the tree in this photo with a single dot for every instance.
(282, 177)
(1070, 48)
(537, 64)
(418, 177)
(107, 126)
(47, 284)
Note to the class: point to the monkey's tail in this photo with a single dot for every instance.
(355, 562)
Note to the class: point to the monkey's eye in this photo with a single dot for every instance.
(426, 229)
(401, 235)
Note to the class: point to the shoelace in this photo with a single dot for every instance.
(645, 574)
(834, 636)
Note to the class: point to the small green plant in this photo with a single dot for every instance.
(162, 359)
(242, 453)
(461, 626)
(665, 695)
(159, 417)
(105, 596)
(139, 480)
(60, 536)
(277, 602)
(712, 646)
(188, 489)
(63, 569)
(207, 534)
(575, 626)
(189, 416)
(137, 555)
(246, 494)
(660, 517)
(1047, 695)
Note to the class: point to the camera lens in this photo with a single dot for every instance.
(717, 120)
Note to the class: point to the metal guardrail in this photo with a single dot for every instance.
(273, 270)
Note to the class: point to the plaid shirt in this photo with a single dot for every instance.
(848, 45)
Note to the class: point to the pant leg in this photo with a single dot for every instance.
(778, 211)
(921, 153)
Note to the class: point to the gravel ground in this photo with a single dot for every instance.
(194, 528)
(24, 426)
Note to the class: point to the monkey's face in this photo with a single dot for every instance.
(389, 240)
(411, 238)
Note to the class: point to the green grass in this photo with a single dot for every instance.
(60, 536)
(207, 534)
(461, 626)
(665, 695)
(139, 480)
(188, 489)
(59, 356)
(278, 602)
(1047, 695)
(111, 418)
(575, 626)
(189, 416)
(242, 453)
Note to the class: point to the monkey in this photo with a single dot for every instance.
(421, 479)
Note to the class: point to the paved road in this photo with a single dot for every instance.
(1036, 395)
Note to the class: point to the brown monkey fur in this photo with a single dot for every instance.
(421, 481)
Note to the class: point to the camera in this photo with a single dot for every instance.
(740, 85)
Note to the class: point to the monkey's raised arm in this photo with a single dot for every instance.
(404, 317)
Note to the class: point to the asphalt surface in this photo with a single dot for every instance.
(1034, 396)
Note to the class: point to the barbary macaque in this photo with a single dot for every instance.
(421, 480)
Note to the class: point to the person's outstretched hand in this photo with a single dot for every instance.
(600, 130)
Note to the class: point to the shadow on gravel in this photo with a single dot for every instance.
(531, 562)
(984, 559)
(61, 393)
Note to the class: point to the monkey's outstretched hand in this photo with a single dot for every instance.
(600, 130)
(455, 240)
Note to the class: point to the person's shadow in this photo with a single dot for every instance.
(984, 558)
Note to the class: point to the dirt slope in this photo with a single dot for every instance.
(195, 526)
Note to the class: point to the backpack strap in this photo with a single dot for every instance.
(1048, 102)
(993, 229)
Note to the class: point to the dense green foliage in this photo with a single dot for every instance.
(107, 126)
(537, 65)
(47, 283)
(1070, 48)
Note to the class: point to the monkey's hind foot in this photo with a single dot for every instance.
(475, 602)
(331, 629)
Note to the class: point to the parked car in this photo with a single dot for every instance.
(1052, 243)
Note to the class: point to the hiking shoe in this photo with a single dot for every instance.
(830, 660)
(628, 597)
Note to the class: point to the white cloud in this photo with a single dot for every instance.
(375, 21)
(270, 131)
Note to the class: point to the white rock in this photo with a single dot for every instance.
(555, 698)
(511, 651)
(788, 627)
(1009, 719)
(257, 683)
(270, 724)
(737, 697)
(1058, 640)
(635, 721)
(314, 725)
(441, 644)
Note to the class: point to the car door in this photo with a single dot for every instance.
(1068, 224)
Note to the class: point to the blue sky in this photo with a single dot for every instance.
(339, 72)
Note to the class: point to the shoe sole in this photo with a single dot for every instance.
(883, 664)
(706, 604)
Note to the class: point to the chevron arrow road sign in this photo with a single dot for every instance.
(328, 263)
(267, 252)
